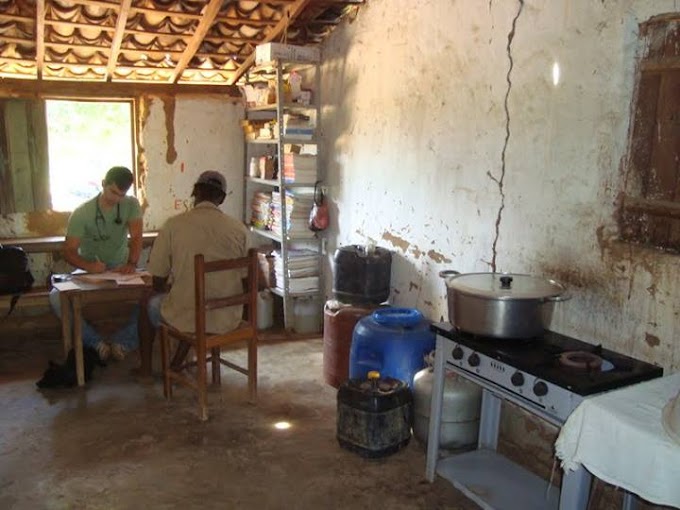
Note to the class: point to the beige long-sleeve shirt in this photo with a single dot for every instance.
(207, 230)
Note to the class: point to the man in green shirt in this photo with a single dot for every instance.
(97, 241)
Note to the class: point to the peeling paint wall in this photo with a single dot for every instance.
(204, 135)
(446, 140)
(177, 139)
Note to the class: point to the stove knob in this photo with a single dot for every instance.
(474, 360)
(540, 389)
(457, 352)
(517, 379)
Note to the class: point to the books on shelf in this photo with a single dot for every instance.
(303, 270)
(299, 125)
(260, 207)
(298, 207)
(299, 168)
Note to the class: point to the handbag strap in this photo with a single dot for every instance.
(318, 193)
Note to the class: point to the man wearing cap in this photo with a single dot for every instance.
(204, 229)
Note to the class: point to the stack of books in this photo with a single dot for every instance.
(298, 207)
(298, 125)
(260, 209)
(299, 168)
(303, 271)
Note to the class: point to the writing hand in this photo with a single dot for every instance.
(125, 269)
(96, 267)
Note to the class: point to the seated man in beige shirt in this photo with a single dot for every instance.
(204, 229)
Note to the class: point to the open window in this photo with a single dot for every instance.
(54, 153)
(650, 211)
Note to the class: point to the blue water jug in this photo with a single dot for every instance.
(392, 341)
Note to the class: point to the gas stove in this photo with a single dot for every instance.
(548, 376)
(540, 372)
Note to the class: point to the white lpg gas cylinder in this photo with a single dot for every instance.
(461, 405)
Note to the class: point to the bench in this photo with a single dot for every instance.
(31, 313)
(54, 244)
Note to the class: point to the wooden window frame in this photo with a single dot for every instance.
(650, 212)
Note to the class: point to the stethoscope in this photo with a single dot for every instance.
(99, 216)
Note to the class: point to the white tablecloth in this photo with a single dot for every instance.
(619, 437)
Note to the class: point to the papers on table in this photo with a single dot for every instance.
(111, 276)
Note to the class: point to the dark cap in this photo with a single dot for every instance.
(214, 179)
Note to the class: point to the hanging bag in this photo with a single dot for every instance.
(318, 217)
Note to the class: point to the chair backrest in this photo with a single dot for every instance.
(248, 298)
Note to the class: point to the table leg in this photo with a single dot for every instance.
(575, 489)
(66, 332)
(78, 337)
(630, 502)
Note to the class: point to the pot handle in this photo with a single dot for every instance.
(448, 272)
(558, 299)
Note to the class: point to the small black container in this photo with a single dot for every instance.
(374, 415)
(362, 277)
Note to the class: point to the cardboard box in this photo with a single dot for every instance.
(288, 52)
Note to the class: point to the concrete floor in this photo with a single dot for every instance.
(118, 444)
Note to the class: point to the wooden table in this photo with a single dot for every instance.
(75, 295)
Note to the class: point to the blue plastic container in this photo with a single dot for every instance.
(392, 341)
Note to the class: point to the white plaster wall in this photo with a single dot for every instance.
(414, 146)
(207, 136)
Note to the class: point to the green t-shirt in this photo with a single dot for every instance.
(101, 238)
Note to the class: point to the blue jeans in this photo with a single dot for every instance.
(126, 337)
(154, 309)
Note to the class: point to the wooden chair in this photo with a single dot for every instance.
(205, 342)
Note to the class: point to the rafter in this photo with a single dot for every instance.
(118, 37)
(210, 12)
(39, 36)
(74, 24)
(287, 19)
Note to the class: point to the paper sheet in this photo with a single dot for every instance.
(119, 278)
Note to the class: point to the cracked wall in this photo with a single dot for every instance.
(446, 140)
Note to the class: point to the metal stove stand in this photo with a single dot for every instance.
(485, 476)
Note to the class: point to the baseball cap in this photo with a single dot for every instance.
(214, 179)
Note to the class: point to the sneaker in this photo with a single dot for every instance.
(104, 351)
(118, 352)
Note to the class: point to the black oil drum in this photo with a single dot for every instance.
(361, 275)
(375, 415)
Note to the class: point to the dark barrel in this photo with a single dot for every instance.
(362, 276)
(374, 416)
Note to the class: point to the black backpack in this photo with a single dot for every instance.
(15, 277)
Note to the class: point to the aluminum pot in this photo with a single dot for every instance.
(501, 305)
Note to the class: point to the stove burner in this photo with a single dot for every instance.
(581, 360)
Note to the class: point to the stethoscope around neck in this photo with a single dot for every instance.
(99, 216)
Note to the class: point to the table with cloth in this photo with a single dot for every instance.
(621, 438)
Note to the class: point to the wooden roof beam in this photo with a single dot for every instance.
(210, 12)
(75, 24)
(118, 37)
(39, 36)
(286, 20)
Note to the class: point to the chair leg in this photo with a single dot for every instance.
(252, 369)
(165, 359)
(202, 376)
(216, 375)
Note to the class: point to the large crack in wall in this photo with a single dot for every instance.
(500, 180)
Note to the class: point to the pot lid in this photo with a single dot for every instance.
(505, 286)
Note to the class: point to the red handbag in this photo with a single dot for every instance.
(318, 217)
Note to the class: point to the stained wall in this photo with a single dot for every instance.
(449, 139)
